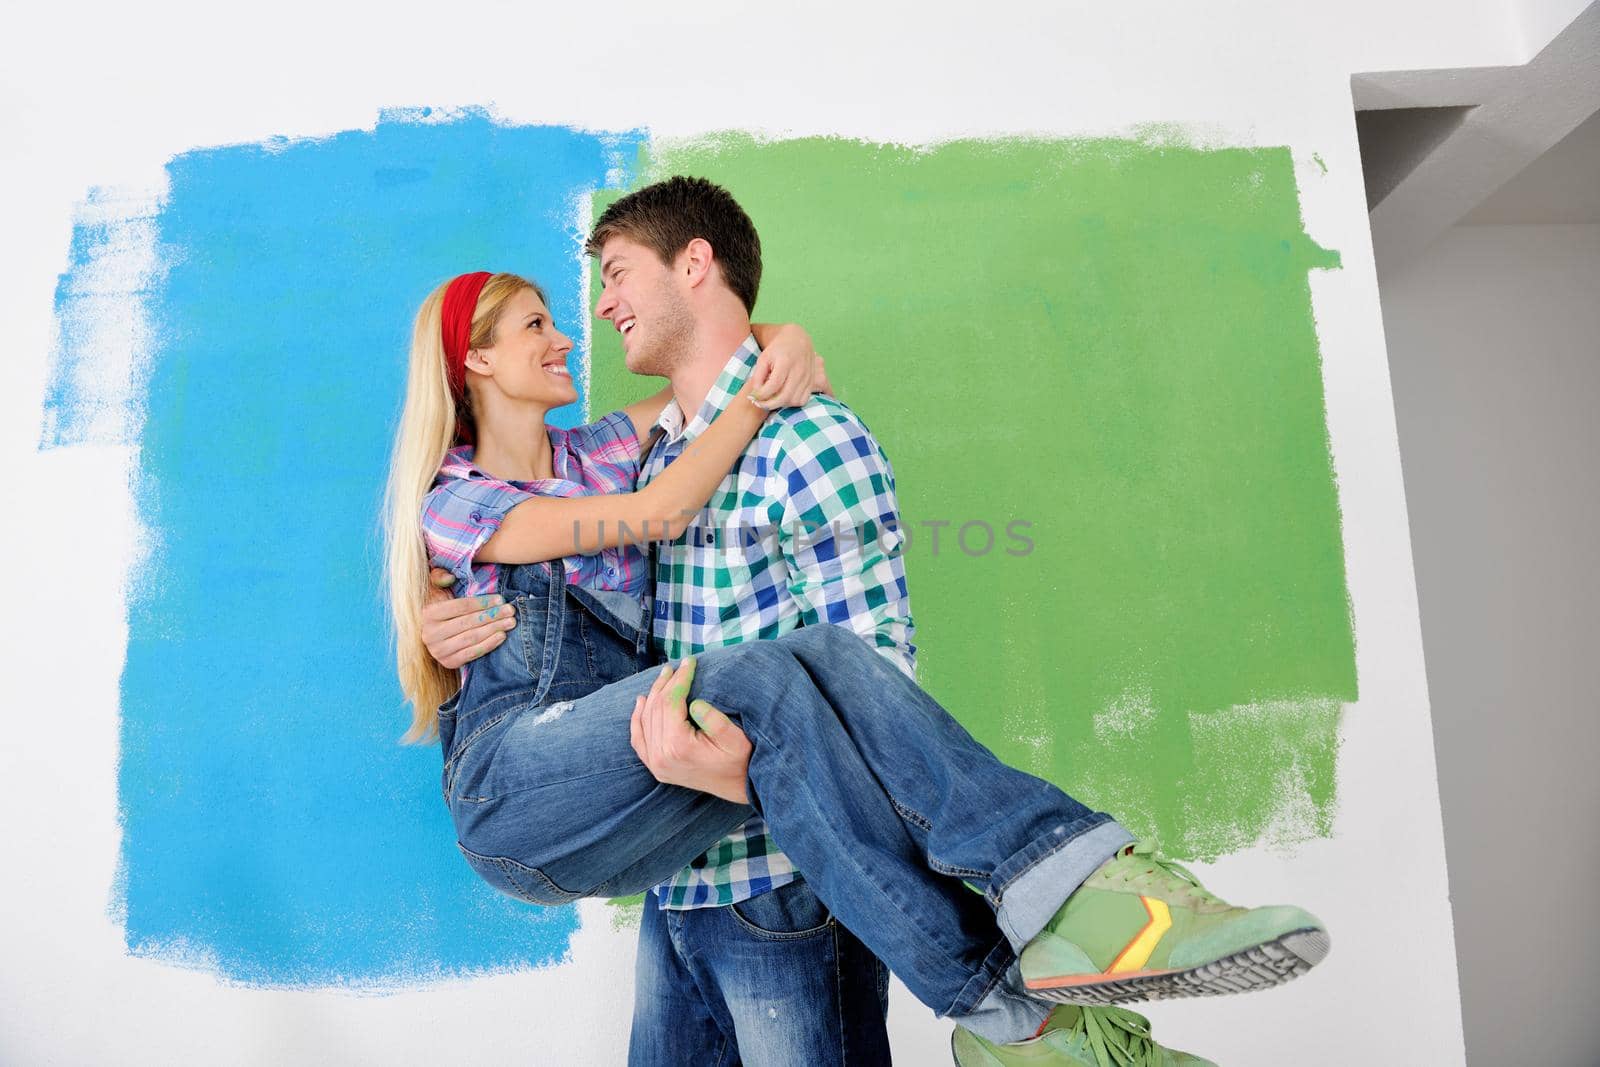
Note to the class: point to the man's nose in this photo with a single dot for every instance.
(606, 304)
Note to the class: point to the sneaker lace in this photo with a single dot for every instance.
(1117, 1037)
(1159, 871)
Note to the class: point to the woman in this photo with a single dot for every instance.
(885, 802)
(486, 412)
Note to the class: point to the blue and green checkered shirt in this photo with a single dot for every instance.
(804, 529)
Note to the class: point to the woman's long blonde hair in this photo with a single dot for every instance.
(429, 427)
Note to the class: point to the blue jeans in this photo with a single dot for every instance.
(771, 981)
(879, 796)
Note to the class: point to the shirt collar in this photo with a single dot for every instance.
(459, 462)
(726, 387)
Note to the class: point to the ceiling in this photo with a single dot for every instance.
(1482, 146)
(1563, 185)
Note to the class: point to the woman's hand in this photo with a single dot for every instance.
(788, 370)
(458, 630)
(714, 759)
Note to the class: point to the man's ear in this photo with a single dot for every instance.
(696, 260)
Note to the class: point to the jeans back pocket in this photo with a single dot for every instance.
(517, 879)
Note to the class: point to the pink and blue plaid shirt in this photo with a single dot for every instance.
(466, 506)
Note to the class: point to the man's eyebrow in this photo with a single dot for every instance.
(609, 265)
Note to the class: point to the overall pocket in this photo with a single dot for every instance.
(517, 879)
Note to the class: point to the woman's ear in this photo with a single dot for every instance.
(478, 360)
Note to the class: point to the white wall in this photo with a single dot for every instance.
(102, 94)
(1494, 352)
(1537, 21)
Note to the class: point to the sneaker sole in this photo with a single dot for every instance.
(1258, 967)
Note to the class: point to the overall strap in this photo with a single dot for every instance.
(651, 551)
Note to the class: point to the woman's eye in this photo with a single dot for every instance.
(537, 323)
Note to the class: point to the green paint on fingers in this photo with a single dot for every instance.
(679, 690)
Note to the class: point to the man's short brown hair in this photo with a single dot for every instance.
(666, 216)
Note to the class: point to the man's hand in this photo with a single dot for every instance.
(458, 630)
(714, 759)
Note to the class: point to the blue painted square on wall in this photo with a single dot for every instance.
(273, 826)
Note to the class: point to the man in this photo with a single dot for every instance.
(738, 959)
(740, 931)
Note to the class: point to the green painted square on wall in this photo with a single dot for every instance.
(1094, 367)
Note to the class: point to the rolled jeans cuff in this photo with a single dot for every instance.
(1030, 896)
(1006, 1013)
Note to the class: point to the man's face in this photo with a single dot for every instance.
(643, 299)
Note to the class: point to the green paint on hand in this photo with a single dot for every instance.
(1112, 341)
(679, 690)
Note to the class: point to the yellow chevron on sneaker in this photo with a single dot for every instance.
(1137, 954)
(1143, 928)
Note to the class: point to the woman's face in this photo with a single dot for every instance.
(528, 360)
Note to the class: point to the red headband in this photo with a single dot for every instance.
(455, 327)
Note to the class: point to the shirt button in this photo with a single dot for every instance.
(477, 517)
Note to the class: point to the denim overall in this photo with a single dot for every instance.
(568, 642)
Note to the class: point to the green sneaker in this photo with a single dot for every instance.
(1143, 928)
(1088, 1037)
